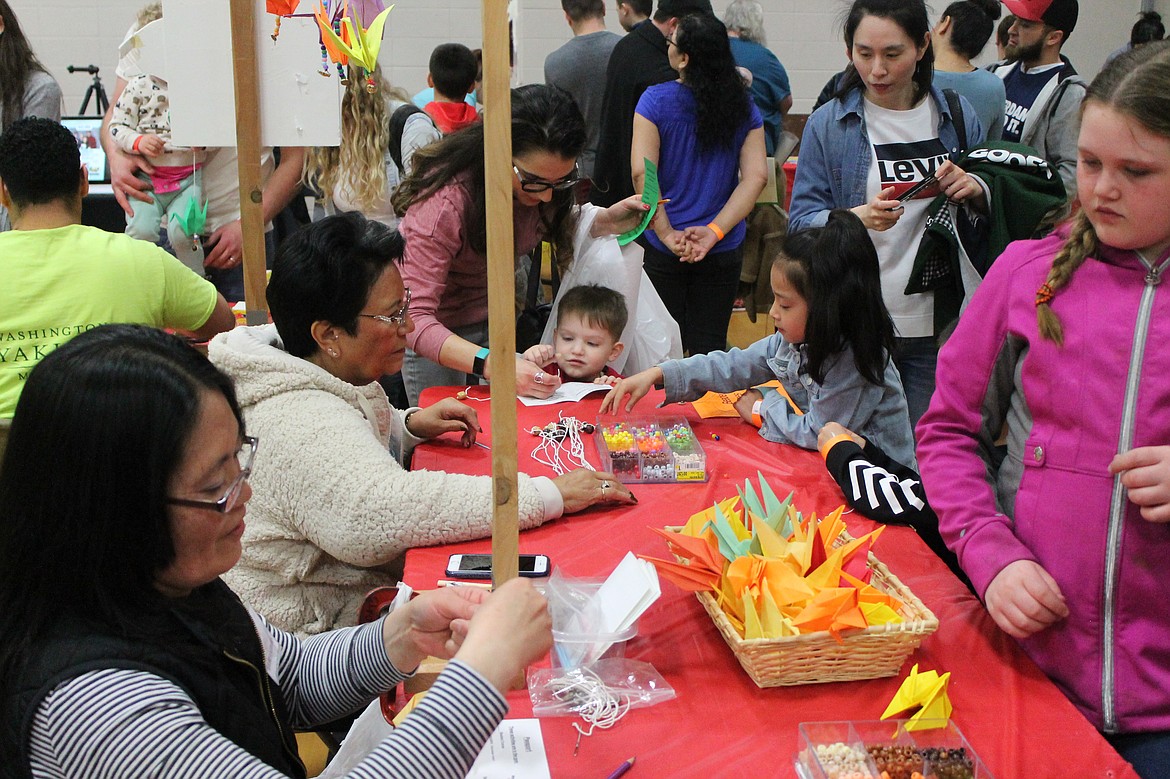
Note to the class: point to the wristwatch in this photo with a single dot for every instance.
(480, 361)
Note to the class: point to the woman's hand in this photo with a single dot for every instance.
(700, 240)
(532, 382)
(583, 488)
(881, 213)
(747, 402)
(1145, 473)
(225, 247)
(433, 624)
(959, 186)
(124, 180)
(541, 354)
(635, 386)
(511, 629)
(619, 218)
(1024, 599)
(446, 416)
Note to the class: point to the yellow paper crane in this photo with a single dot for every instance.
(360, 44)
(928, 692)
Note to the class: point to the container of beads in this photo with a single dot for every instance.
(650, 450)
(885, 750)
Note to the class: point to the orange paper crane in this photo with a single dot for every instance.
(280, 8)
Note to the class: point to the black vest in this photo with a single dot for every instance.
(205, 643)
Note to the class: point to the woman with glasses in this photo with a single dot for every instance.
(123, 653)
(334, 508)
(442, 203)
(706, 137)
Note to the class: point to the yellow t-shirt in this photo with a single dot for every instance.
(60, 282)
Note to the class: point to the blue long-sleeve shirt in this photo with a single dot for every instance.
(875, 411)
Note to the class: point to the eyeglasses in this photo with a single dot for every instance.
(231, 495)
(536, 185)
(670, 42)
(399, 317)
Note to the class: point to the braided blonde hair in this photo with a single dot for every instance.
(1081, 243)
(358, 164)
(1136, 84)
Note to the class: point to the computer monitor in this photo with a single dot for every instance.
(88, 132)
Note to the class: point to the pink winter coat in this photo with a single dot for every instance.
(1069, 410)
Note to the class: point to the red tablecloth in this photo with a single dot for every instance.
(722, 724)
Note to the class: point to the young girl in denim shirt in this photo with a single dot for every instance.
(831, 351)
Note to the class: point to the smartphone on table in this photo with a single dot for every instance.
(479, 566)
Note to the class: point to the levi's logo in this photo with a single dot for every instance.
(902, 165)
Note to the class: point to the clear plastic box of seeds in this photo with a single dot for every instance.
(650, 450)
(877, 749)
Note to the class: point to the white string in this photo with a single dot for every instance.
(561, 447)
(591, 699)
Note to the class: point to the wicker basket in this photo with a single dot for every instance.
(812, 658)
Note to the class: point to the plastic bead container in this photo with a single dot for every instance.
(875, 749)
(650, 450)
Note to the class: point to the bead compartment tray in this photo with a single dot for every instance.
(650, 450)
(884, 749)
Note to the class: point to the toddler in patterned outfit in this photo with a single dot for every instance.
(141, 124)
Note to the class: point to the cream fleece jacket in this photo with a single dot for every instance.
(333, 510)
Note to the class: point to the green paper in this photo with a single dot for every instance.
(650, 194)
(193, 221)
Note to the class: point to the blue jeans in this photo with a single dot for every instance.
(1149, 753)
(699, 295)
(916, 360)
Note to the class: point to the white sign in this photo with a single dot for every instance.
(298, 106)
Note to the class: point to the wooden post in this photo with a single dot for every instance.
(497, 155)
(244, 64)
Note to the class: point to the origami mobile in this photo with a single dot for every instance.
(926, 691)
(360, 44)
(280, 8)
(192, 222)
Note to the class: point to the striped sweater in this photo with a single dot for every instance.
(115, 723)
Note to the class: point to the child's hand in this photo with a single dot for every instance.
(610, 380)
(150, 145)
(635, 386)
(1023, 599)
(745, 403)
(1145, 473)
(541, 354)
(833, 429)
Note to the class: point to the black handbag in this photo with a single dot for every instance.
(533, 319)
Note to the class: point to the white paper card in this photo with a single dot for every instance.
(515, 751)
(298, 106)
(569, 392)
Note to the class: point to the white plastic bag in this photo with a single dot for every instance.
(367, 732)
(651, 334)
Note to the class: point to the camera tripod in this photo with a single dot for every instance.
(94, 90)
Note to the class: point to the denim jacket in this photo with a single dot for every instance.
(876, 412)
(835, 155)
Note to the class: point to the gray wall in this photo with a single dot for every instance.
(805, 34)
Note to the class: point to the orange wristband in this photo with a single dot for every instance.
(137, 141)
(715, 229)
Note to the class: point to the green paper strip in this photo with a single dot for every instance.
(650, 194)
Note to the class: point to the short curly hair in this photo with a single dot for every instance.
(39, 162)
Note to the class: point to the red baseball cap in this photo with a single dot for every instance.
(1057, 14)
